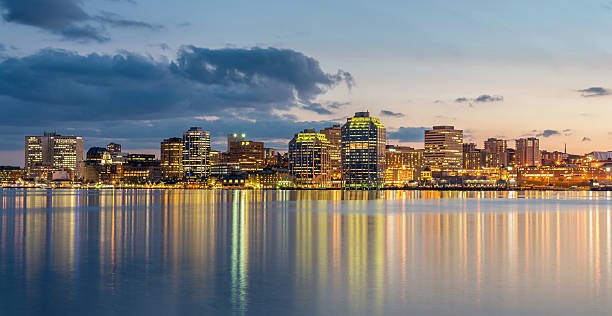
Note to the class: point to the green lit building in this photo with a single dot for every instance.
(363, 152)
(309, 159)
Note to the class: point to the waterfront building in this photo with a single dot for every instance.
(171, 156)
(248, 154)
(10, 174)
(141, 168)
(472, 157)
(334, 136)
(443, 148)
(496, 153)
(196, 153)
(309, 159)
(555, 158)
(527, 152)
(54, 151)
(404, 165)
(363, 152)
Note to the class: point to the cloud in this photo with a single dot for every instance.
(548, 133)
(243, 87)
(489, 98)
(65, 18)
(586, 139)
(391, 114)
(594, 92)
(407, 134)
(484, 98)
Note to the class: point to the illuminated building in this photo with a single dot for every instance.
(334, 136)
(9, 174)
(248, 154)
(554, 158)
(443, 148)
(113, 148)
(269, 179)
(363, 152)
(141, 168)
(196, 153)
(309, 159)
(472, 157)
(215, 157)
(527, 152)
(496, 153)
(171, 154)
(236, 137)
(404, 165)
(55, 152)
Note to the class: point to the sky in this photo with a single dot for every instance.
(136, 72)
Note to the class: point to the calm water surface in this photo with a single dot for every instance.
(130, 252)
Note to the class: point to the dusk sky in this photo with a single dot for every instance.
(136, 72)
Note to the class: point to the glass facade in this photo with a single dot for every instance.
(196, 153)
(363, 152)
(309, 159)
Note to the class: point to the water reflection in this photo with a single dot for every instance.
(304, 252)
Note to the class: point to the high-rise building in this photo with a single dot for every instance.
(496, 153)
(443, 148)
(472, 158)
(196, 153)
(64, 153)
(309, 159)
(527, 152)
(113, 148)
(171, 154)
(236, 137)
(363, 152)
(404, 165)
(334, 136)
(249, 155)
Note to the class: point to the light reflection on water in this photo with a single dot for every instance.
(304, 252)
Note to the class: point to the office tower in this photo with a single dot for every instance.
(215, 157)
(496, 153)
(236, 137)
(471, 157)
(249, 155)
(404, 165)
(334, 136)
(171, 154)
(196, 153)
(53, 151)
(527, 152)
(363, 152)
(443, 148)
(309, 159)
(113, 148)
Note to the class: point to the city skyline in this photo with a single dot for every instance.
(463, 65)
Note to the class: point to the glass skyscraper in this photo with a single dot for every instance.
(309, 159)
(196, 153)
(363, 152)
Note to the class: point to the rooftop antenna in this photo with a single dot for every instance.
(565, 151)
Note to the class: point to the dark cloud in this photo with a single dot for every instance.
(484, 98)
(55, 88)
(548, 133)
(489, 98)
(407, 134)
(586, 139)
(65, 18)
(594, 92)
(390, 113)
